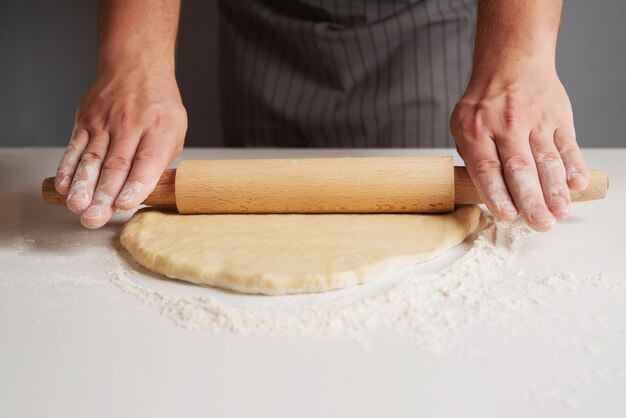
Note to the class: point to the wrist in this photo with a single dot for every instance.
(126, 59)
(512, 65)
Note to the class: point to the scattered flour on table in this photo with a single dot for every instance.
(567, 389)
(435, 311)
(482, 296)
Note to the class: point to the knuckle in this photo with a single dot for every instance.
(182, 112)
(510, 117)
(569, 150)
(455, 118)
(557, 189)
(127, 119)
(117, 163)
(487, 165)
(174, 122)
(161, 122)
(546, 157)
(149, 155)
(72, 147)
(471, 126)
(91, 157)
(517, 163)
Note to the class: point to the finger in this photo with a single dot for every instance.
(551, 173)
(485, 170)
(520, 175)
(115, 169)
(575, 166)
(88, 172)
(152, 157)
(70, 159)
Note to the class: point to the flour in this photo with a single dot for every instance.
(485, 295)
(87, 175)
(497, 303)
(567, 389)
(435, 311)
(430, 310)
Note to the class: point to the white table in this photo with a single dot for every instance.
(72, 344)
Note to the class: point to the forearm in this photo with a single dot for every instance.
(138, 31)
(516, 33)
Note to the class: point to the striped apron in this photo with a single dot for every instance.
(342, 73)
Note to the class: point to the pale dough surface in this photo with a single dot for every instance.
(281, 254)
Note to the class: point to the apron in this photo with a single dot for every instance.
(342, 73)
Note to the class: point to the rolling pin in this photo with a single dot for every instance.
(319, 185)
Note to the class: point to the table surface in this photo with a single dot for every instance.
(73, 344)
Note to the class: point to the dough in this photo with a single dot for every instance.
(281, 254)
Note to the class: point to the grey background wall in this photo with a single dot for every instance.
(48, 58)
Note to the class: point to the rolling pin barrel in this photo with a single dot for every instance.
(320, 185)
(316, 185)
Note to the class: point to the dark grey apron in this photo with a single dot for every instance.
(342, 73)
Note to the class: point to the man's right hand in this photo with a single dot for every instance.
(130, 125)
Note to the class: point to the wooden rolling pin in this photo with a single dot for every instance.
(319, 185)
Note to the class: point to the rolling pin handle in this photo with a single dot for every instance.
(466, 193)
(162, 196)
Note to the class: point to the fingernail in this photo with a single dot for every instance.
(94, 212)
(92, 223)
(574, 175)
(542, 218)
(101, 202)
(508, 207)
(129, 192)
(63, 179)
(508, 211)
(78, 195)
(578, 177)
(558, 205)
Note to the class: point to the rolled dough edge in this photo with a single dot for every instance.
(271, 284)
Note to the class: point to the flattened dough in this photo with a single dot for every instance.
(281, 254)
